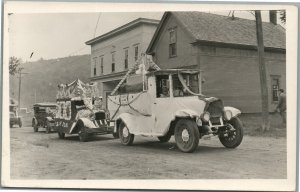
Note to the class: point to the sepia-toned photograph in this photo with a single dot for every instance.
(164, 97)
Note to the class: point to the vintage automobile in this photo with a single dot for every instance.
(14, 118)
(168, 103)
(76, 113)
(43, 116)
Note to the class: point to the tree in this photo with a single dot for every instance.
(14, 65)
(262, 73)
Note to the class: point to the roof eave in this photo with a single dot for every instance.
(233, 45)
(123, 28)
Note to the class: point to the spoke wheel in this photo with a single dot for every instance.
(233, 138)
(126, 137)
(186, 135)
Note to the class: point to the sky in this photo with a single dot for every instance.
(56, 35)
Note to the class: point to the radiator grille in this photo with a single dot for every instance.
(215, 108)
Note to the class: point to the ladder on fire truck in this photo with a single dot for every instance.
(141, 61)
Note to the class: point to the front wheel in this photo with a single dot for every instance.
(35, 126)
(83, 135)
(48, 127)
(186, 135)
(125, 136)
(20, 124)
(61, 135)
(232, 138)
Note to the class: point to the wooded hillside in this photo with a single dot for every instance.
(40, 84)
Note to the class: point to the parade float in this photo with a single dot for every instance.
(76, 113)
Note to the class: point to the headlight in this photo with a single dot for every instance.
(227, 115)
(205, 117)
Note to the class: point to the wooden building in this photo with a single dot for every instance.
(115, 52)
(225, 48)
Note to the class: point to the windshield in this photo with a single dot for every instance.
(191, 82)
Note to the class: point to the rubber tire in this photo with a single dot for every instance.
(34, 125)
(116, 135)
(125, 140)
(165, 138)
(83, 135)
(194, 135)
(237, 124)
(48, 127)
(20, 124)
(61, 135)
(11, 125)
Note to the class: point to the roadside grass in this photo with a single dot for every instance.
(252, 125)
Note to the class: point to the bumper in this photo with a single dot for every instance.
(100, 130)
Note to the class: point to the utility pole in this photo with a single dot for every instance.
(20, 82)
(262, 73)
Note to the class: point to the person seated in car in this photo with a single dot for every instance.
(98, 103)
(165, 92)
(178, 92)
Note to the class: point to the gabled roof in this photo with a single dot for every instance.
(122, 29)
(207, 27)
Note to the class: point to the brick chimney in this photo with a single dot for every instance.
(273, 17)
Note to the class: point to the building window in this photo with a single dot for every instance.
(172, 43)
(101, 65)
(113, 62)
(95, 66)
(136, 53)
(126, 59)
(275, 80)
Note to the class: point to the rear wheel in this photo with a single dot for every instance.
(186, 135)
(232, 139)
(116, 135)
(165, 138)
(125, 136)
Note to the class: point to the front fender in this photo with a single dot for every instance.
(88, 123)
(136, 124)
(186, 113)
(82, 122)
(235, 112)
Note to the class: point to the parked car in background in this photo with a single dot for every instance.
(43, 116)
(14, 118)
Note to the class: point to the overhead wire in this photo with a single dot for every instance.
(97, 24)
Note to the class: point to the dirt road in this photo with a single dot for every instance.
(44, 156)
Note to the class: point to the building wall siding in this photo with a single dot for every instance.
(138, 36)
(230, 74)
(186, 53)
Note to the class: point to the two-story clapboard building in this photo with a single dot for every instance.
(225, 48)
(113, 53)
